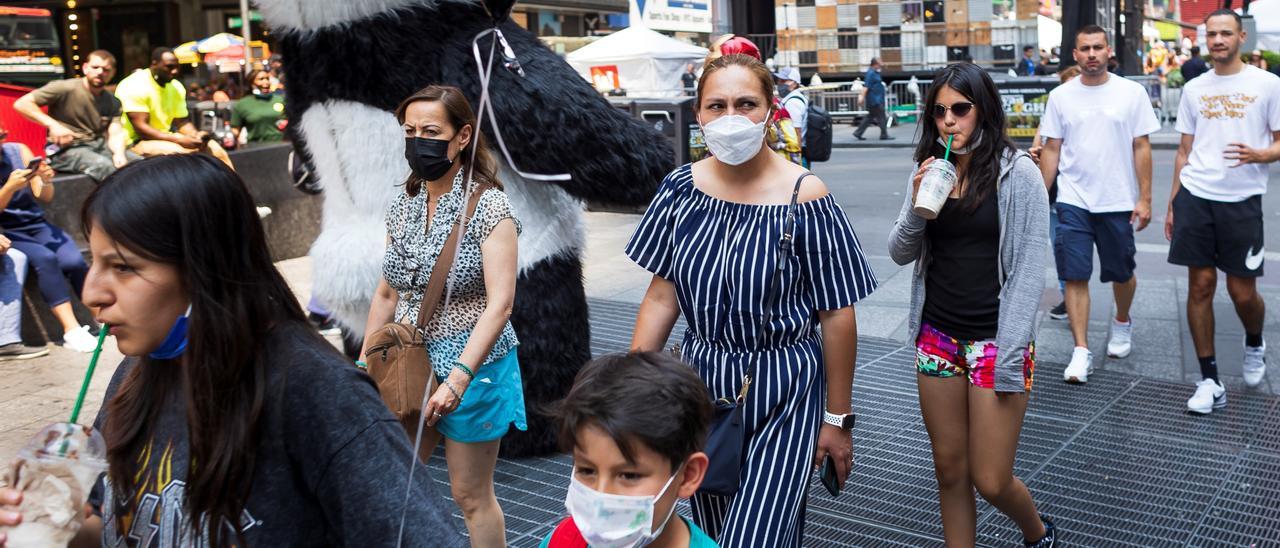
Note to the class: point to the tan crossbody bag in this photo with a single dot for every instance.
(397, 355)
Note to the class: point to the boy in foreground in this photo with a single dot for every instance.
(635, 424)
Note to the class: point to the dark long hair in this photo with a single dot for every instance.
(192, 212)
(460, 114)
(984, 161)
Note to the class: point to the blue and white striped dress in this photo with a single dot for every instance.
(719, 254)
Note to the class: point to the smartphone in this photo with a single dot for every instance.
(828, 476)
(37, 185)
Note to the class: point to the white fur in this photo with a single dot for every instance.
(551, 219)
(358, 152)
(306, 15)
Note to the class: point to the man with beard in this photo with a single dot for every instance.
(156, 121)
(1229, 119)
(1095, 130)
(85, 135)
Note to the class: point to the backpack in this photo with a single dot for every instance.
(817, 133)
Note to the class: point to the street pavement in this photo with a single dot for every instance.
(1084, 448)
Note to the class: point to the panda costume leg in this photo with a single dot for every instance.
(349, 63)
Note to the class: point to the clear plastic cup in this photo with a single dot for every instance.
(935, 186)
(55, 472)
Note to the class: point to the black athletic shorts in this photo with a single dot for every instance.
(1225, 235)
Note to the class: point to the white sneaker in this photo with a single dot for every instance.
(1121, 342)
(1255, 364)
(1209, 395)
(1080, 367)
(80, 340)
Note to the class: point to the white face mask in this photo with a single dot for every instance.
(734, 139)
(615, 521)
(967, 148)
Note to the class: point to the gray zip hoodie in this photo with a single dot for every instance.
(1023, 250)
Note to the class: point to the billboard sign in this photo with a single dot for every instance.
(672, 15)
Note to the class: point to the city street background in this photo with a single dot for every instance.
(1088, 452)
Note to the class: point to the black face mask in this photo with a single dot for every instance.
(428, 158)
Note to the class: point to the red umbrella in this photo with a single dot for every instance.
(231, 53)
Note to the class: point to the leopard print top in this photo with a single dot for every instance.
(411, 255)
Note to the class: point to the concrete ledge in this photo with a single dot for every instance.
(291, 228)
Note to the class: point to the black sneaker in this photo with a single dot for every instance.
(859, 137)
(1050, 535)
(1059, 312)
(19, 351)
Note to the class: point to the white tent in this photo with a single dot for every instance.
(1266, 15)
(649, 63)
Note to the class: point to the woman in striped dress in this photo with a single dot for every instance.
(710, 238)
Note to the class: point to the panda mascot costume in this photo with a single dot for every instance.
(348, 63)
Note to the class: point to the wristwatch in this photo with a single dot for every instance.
(843, 422)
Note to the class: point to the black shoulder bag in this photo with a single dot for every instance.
(728, 435)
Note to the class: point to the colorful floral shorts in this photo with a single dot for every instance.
(941, 355)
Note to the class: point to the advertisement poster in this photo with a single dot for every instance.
(1024, 104)
(605, 78)
(673, 15)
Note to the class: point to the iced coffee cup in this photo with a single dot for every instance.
(935, 187)
(55, 472)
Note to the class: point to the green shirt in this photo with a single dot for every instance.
(71, 103)
(260, 114)
(139, 92)
(697, 538)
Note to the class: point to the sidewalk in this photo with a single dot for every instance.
(1114, 462)
(904, 136)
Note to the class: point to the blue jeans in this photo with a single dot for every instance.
(54, 255)
(1053, 235)
(13, 273)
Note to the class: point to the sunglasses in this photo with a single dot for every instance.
(960, 109)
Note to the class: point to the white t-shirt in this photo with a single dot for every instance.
(1097, 125)
(1220, 110)
(797, 105)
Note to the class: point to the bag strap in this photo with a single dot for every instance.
(440, 272)
(784, 250)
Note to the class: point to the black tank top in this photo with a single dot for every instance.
(962, 285)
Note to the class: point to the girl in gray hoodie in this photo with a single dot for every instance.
(978, 278)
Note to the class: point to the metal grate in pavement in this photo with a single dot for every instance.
(1247, 511)
(1115, 486)
(1268, 433)
(826, 530)
(1053, 397)
(1160, 408)
(1115, 462)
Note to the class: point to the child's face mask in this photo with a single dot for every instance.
(615, 521)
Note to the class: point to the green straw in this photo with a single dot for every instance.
(88, 375)
(945, 155)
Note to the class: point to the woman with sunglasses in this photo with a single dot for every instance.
(978, 278)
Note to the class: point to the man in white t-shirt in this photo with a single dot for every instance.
(1095, 130)
(1229, 119)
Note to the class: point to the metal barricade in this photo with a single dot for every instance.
(1165, 111)
(842, 99)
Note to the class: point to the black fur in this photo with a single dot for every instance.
(550, 319)
(552, 120)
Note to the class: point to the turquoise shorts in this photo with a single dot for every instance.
(492, 403)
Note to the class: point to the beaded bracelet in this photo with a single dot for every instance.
(453, 389)
(470, 374)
